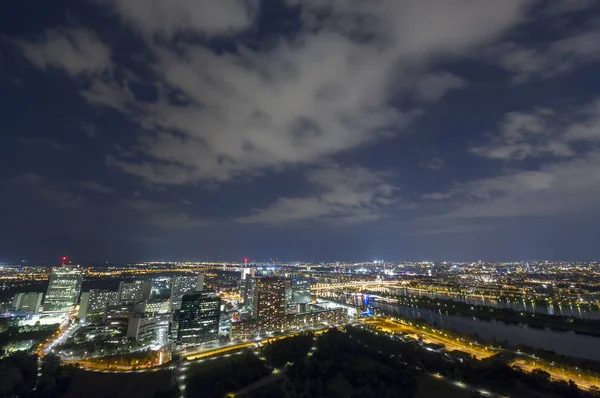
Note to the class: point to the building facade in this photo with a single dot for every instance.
(305, 321)
(63, 289)
(28, 302)
(134, 291)
(149, 329)
(269, 303)
(94, 302)
(198, 319)
(184, 284)
(301, 291)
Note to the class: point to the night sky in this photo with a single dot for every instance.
(301, 130)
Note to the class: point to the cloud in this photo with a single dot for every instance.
(452, 229)
(96, 186)
(543, 132)
(432, 87)
(346, 195)
(47, 191)
(162, 215)
(557, 188)
(76, 51)
(432, 163)
(330, 88)
(157, 17)
(566, 179)
(42, 142)
(545, 60)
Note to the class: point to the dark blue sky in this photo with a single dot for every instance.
(300, 130)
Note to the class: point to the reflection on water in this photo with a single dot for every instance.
(566, 343)
(517, 305)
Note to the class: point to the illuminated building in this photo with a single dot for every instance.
(28, 302)
(247, 292)
(301, 291)
(149, 329)
(94, 302)
(182, 285)
(269, 303)
(158, 306)
(244, 274)
(117, 316)
(304, 321)
(134, 291)
(63, 289)
(198, 318)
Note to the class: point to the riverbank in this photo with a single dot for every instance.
(506, 315)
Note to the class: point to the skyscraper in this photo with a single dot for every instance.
(182, 285)
(63, 289)
(269, 303)
(94, 302)
(134, 291)
(198, 318)
(301, 291)
(27, 302)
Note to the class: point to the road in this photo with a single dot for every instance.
(431, 335)
(581, 380)
(65, 329)
(438, 336)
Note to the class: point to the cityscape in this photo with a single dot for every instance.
(300, 199)
(168, 317)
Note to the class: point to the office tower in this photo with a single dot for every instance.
(301, 291)
(134, 291)
(244, 274)
(63, 289)
(247, 292)
(149, 329)
(290, 308)
(27, 302)
(116, 316)
(184, 284)
(198, 318)
(94, 302)
(269, 303)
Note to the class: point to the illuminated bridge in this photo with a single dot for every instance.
(353, 285)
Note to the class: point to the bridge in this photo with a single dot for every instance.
(353, 285)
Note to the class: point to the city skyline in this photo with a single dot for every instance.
(309, 130)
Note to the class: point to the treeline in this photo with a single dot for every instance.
(12, 334)
(290, 350)
(18, 376)
(491, 373)
(214, 380)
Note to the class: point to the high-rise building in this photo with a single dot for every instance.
(149, 329)
(247, 292)
(94, 302)
(290, 307)
(134, 291)
(198, 318)
(184, 284)
(301, 291)
(28, 302)
(63, 289)
(269, 303)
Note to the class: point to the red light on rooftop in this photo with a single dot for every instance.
(64, 258)
(245, 259)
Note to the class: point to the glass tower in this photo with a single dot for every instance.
(63, 289)
(198, 318)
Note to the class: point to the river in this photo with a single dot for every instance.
(566, 343)
(579, 311)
